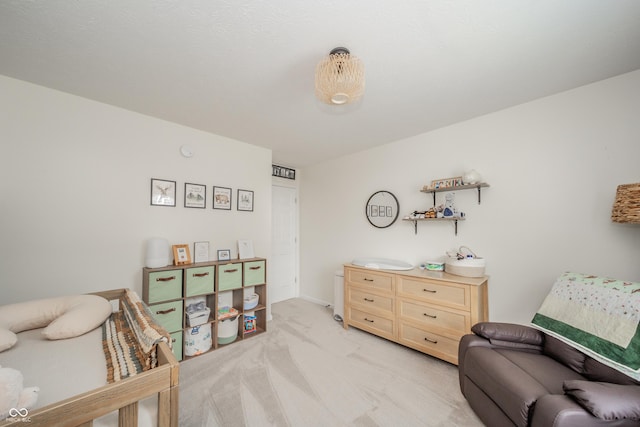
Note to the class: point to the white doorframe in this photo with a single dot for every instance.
(284, 263)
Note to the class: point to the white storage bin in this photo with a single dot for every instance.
(198, 317)
(228, 330)
(197, 340)
(251, 301)
(468, 267)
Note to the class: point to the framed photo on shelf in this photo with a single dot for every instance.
(163, 192)
(181, 255)
(245, 249)
(224, 254)
(222, 198)
(245, 200)
(195, 195)
(201, 251)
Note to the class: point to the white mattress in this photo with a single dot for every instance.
(65, 368)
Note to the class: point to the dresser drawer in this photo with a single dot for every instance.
(433, 316)
(165, 285)
(254, 273)
(200, 280)
(449, 294)
(229, 276)
(428, 342)
(371, 322)
(378, 281)
(176, 343)
(168, 315)
(370, 302)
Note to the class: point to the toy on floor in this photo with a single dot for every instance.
(15, 400)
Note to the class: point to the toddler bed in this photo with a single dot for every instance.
(72, 374)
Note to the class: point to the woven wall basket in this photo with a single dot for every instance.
(626, 207)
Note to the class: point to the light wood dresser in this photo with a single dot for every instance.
(426, 310)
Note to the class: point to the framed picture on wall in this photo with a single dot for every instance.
(195, 195)
(222, 198)
(245, 200)
(163, 192)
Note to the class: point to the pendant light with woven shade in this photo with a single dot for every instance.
(339, 78)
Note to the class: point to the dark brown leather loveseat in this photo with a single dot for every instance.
(515, 375)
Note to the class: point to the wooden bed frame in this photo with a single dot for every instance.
(122, 395)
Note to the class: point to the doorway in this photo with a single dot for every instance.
(284, 240)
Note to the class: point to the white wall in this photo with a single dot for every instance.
(553, 166)
(74, 192)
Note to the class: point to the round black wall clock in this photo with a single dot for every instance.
(382, 209)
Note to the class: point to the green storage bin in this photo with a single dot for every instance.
(168, 314)
(200, 280)
(165, 285)
(176, 342)
(229, 276)
(254, 273)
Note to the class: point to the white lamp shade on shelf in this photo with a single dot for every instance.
(158, 253)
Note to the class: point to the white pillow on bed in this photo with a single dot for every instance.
(64, 317)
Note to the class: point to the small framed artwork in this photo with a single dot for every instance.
(201, 251)
(181, 255)
(163, 192)
(195, 195)
(382, 209)
(222, 198)
(224, 255)
(283, 172)
(245, 200)
(245, 249)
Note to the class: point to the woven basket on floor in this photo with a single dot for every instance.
(626, 207)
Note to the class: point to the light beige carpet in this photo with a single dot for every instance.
(308, 371)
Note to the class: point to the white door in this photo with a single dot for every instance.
(283, 264)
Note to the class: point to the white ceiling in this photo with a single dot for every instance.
(244, 69)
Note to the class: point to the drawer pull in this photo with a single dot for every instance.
(255, 268)
(233, 270)
(431, 341)
(368, 280)
(200, 274)
(173, 340)
(368, 300)
(166, 311)
(368, 320)
(165, 279)
(430, 291)
(430, 315)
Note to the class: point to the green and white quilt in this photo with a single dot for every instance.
(597, 315)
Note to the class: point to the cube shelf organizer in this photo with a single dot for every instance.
(207, 305)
